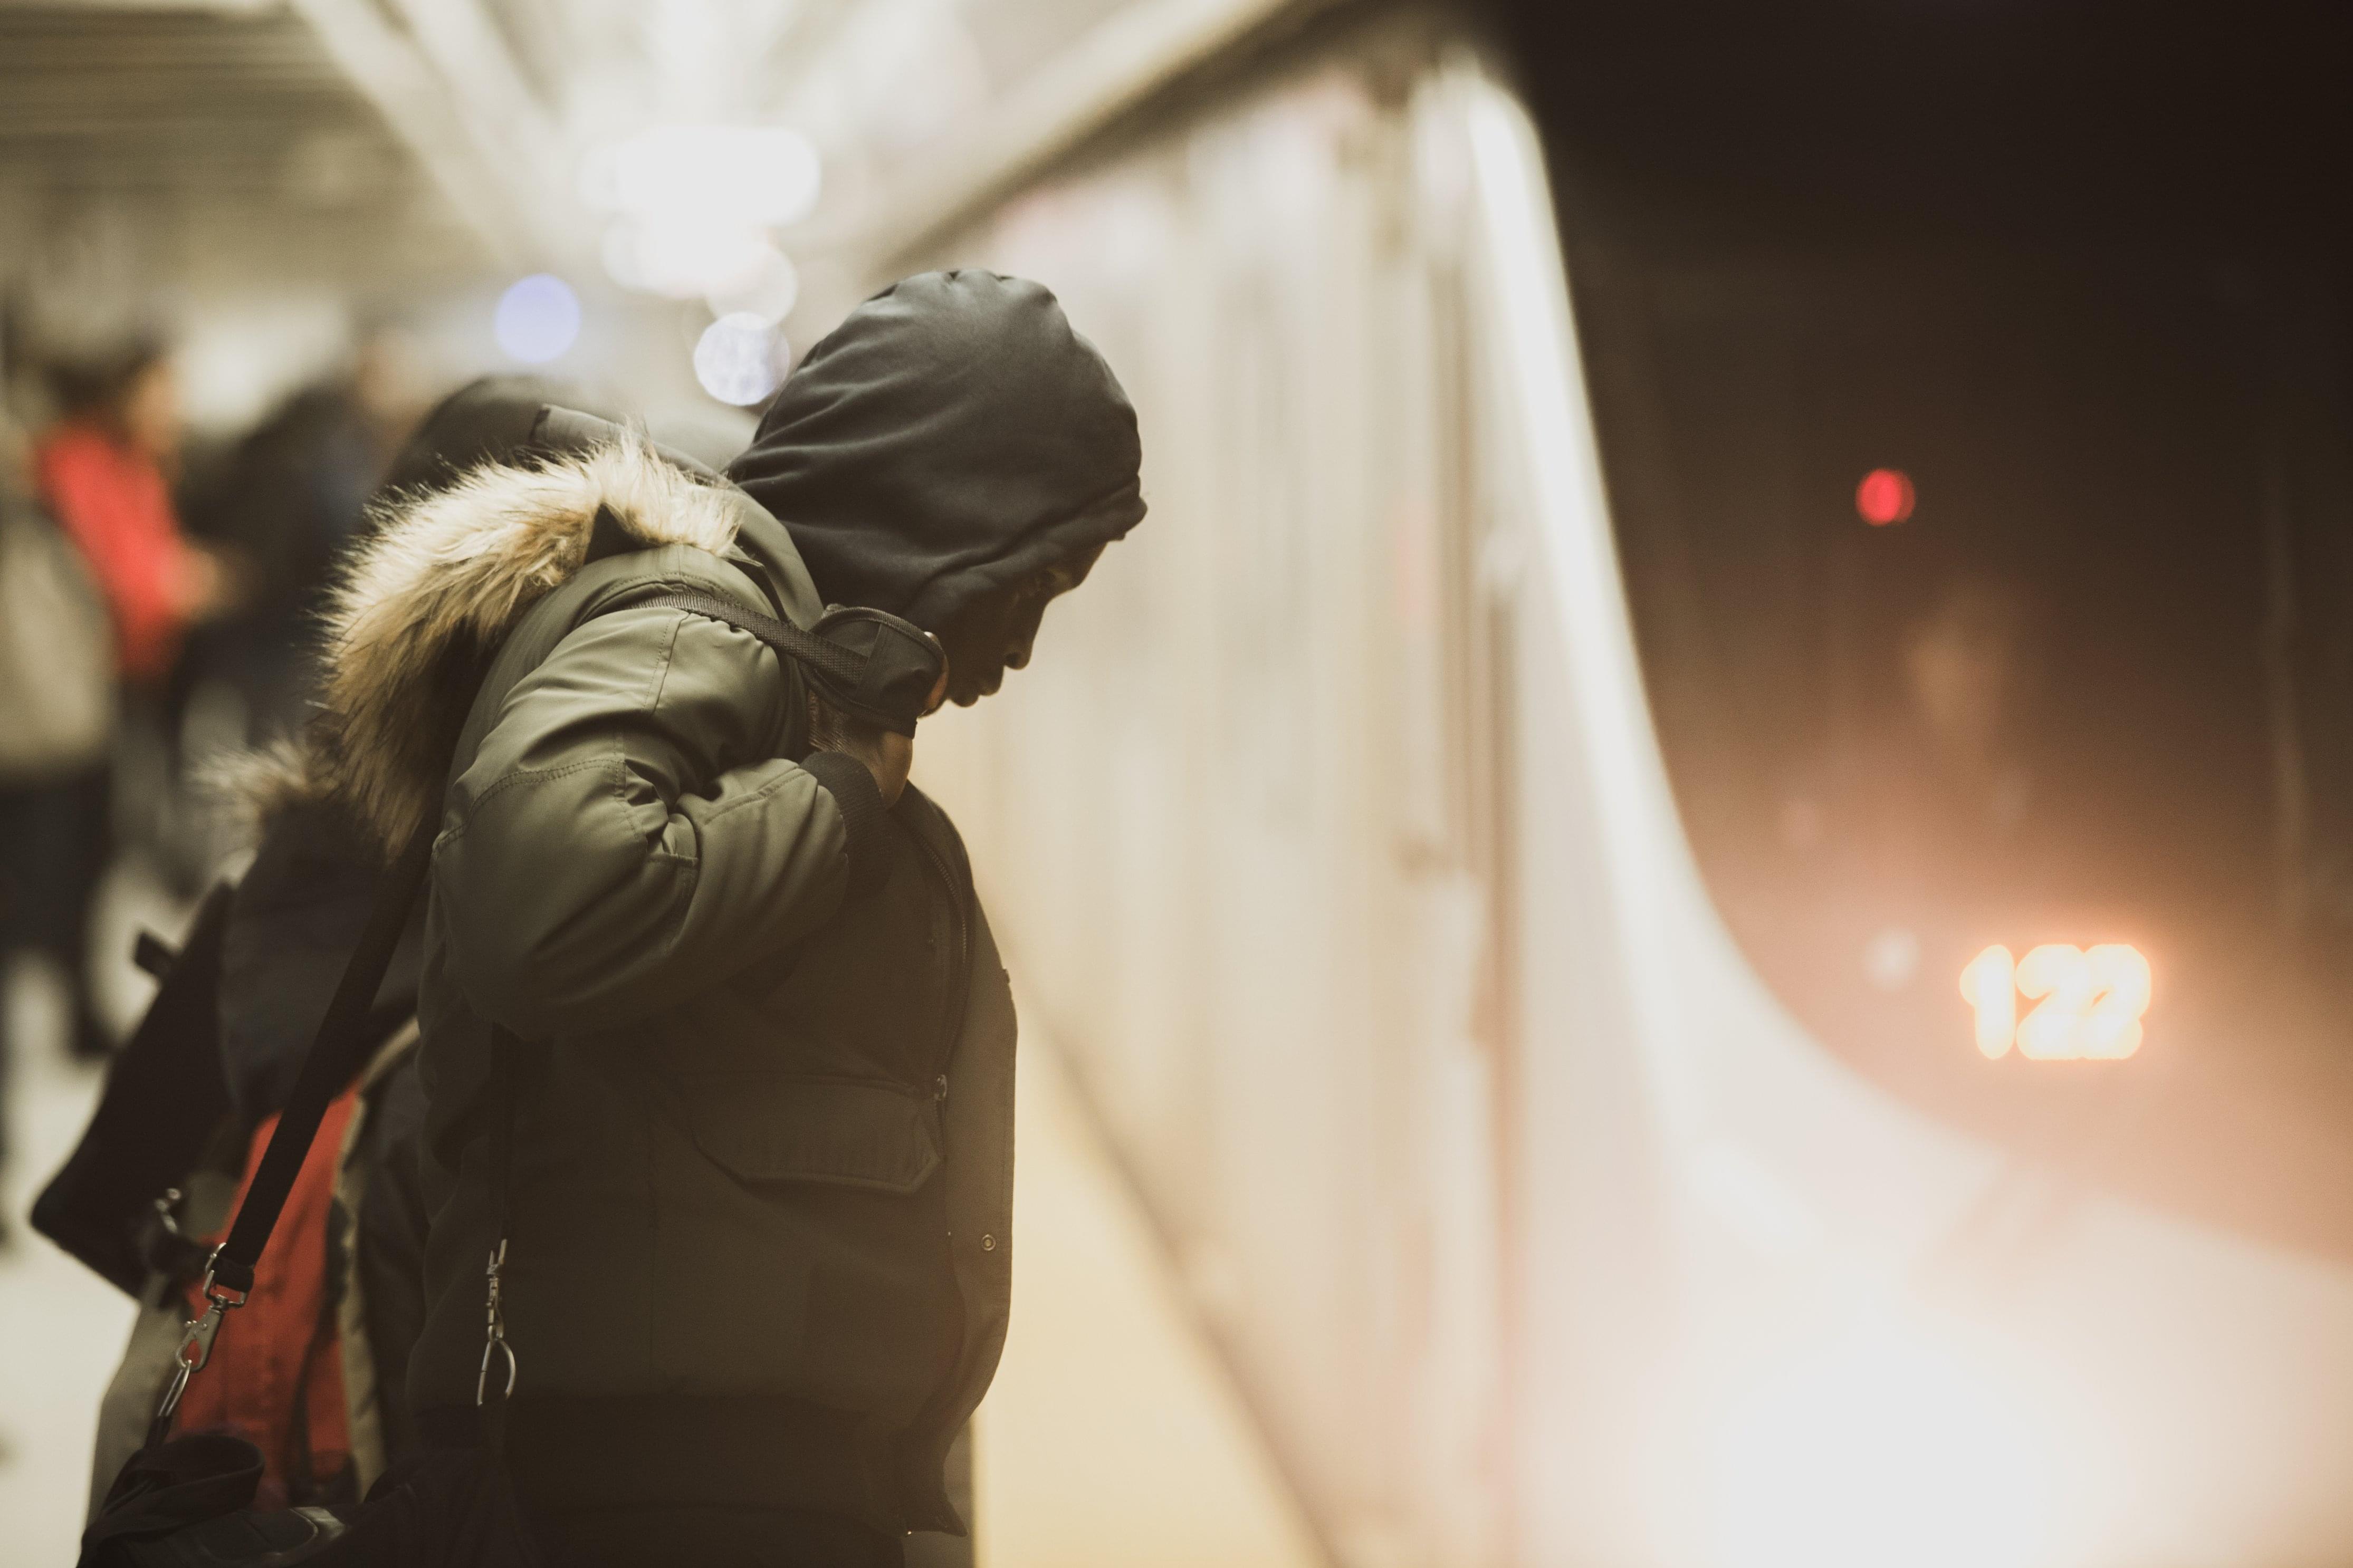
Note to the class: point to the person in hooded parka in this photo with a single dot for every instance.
(717, 1051)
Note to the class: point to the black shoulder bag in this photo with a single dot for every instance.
(182, 1502)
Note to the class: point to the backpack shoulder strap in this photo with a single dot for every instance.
(789, 641)
(337, 1052)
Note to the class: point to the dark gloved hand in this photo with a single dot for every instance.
(893, 669)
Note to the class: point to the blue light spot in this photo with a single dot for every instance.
(538, 319)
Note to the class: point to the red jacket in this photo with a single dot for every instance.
(113, 501)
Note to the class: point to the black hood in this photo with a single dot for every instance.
(954, 435)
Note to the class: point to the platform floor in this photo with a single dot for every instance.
(1112, 1437)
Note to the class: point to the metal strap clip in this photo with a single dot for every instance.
(496, 1344)
(195, 1344)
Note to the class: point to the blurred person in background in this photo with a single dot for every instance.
(288, 498)
(102, 472)
(57, 717)
(105, 470)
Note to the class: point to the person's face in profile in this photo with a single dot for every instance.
(995, 633)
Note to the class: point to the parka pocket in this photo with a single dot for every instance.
(770, 1127)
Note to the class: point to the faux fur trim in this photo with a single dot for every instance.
(441, 579)
(254, 786)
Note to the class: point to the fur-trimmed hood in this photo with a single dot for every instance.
(425, 601)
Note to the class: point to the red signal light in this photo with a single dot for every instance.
(1885, 496)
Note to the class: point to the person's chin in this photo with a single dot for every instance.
(967, 696)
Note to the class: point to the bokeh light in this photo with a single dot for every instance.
(684, 260)
(538, 319)
(754, 174)
(619, 253)
(1989, 985)
(1885, 496)
(768, 291)
(2088, 1004)
(740, 359)
(694, 207)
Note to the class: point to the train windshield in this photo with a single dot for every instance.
(1997, 612)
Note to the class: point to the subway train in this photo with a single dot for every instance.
(1701, 863)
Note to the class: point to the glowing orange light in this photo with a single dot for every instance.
(1885, 496)
(1989, 985)
(2061, 977)
(2088, 1004)
(2111, 1030)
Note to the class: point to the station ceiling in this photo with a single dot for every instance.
(154, 154)
(490, 105)
(138, 100)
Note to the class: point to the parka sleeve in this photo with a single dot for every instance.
(623, 837)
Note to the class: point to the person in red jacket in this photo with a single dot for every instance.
(102, 471)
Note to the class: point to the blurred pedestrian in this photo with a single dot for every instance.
(289, 496)
(105, 471)
(57, 714)
(102, 472)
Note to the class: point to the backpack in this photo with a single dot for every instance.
(56, 651)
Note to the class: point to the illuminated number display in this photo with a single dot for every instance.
(2087, 1002)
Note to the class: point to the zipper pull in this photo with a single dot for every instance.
(495, 1345)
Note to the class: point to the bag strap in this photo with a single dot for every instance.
(867, 664)
(789, 641)
(337, 1052)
